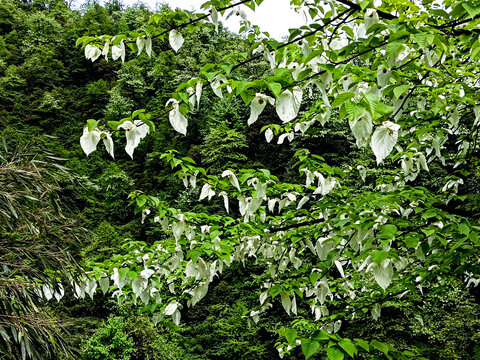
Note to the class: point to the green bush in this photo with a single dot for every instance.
(110, 342)
(105, 242)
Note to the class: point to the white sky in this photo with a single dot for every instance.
(274, 16)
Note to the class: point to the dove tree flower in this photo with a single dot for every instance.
(257, 105)
(134, 132)
(90, 139)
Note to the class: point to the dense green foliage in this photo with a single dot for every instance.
(110, 342)
(47, 92)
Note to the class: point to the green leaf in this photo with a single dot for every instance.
(334, 353)
(379, 346)
(314, 276)
(210, 75)
(354, 110)
(79, 41)
(184, 97)
(400, 90)
(379, 255)
(430, 213)
(364, 4)
(387, 231)
(283, 74)
(384, 109)
(303, 74)
(475, 51)
(273, 43)
(463, 228)
(349, 347)
(123, 272)
(141, 200)
(310, 347)
(423, 39)
(312, 12)
(392, 48)
(291, 336)
(341, 98)
(363, 344)
(251, 5)
(440, 42)
(92, 124)
(372, 102)
(150, 124)
(114, 124)
(471, 9)
(137, 113)
(227, 68)
(411, 241)
(132, 274)
(320, 335)
(247, 97)
(242, 86)
(428, 232)
(275, 88)
(275, 290)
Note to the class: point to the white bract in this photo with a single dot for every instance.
(288, 104)
(383, 76)
(191, 99)
(118, 280)
(383, 273)
(176, 40)
(269, 56)
(140, 44)
(362, 129)
(232, 177)
(214, 16)
(289, 135)
(371, 18)
(104, 283)
(108, 142)
(171, 308)
(134, 132)
(362, 172)
(216, 83)
(48, 292)
(148, 46)
(92, 52)
(268, 135)
(198, 92)
(225, 200)
(178, 121)
(384, 139)
(257, 105)
(89, 140)
(206, 192)
(338, 43)
(118, 51)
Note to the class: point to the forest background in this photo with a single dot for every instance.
(47, 92)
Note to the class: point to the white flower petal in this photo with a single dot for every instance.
(140, 44)
(89, 140)
(384, 139)
(288, 104)
(108, 142)
(176, 40)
